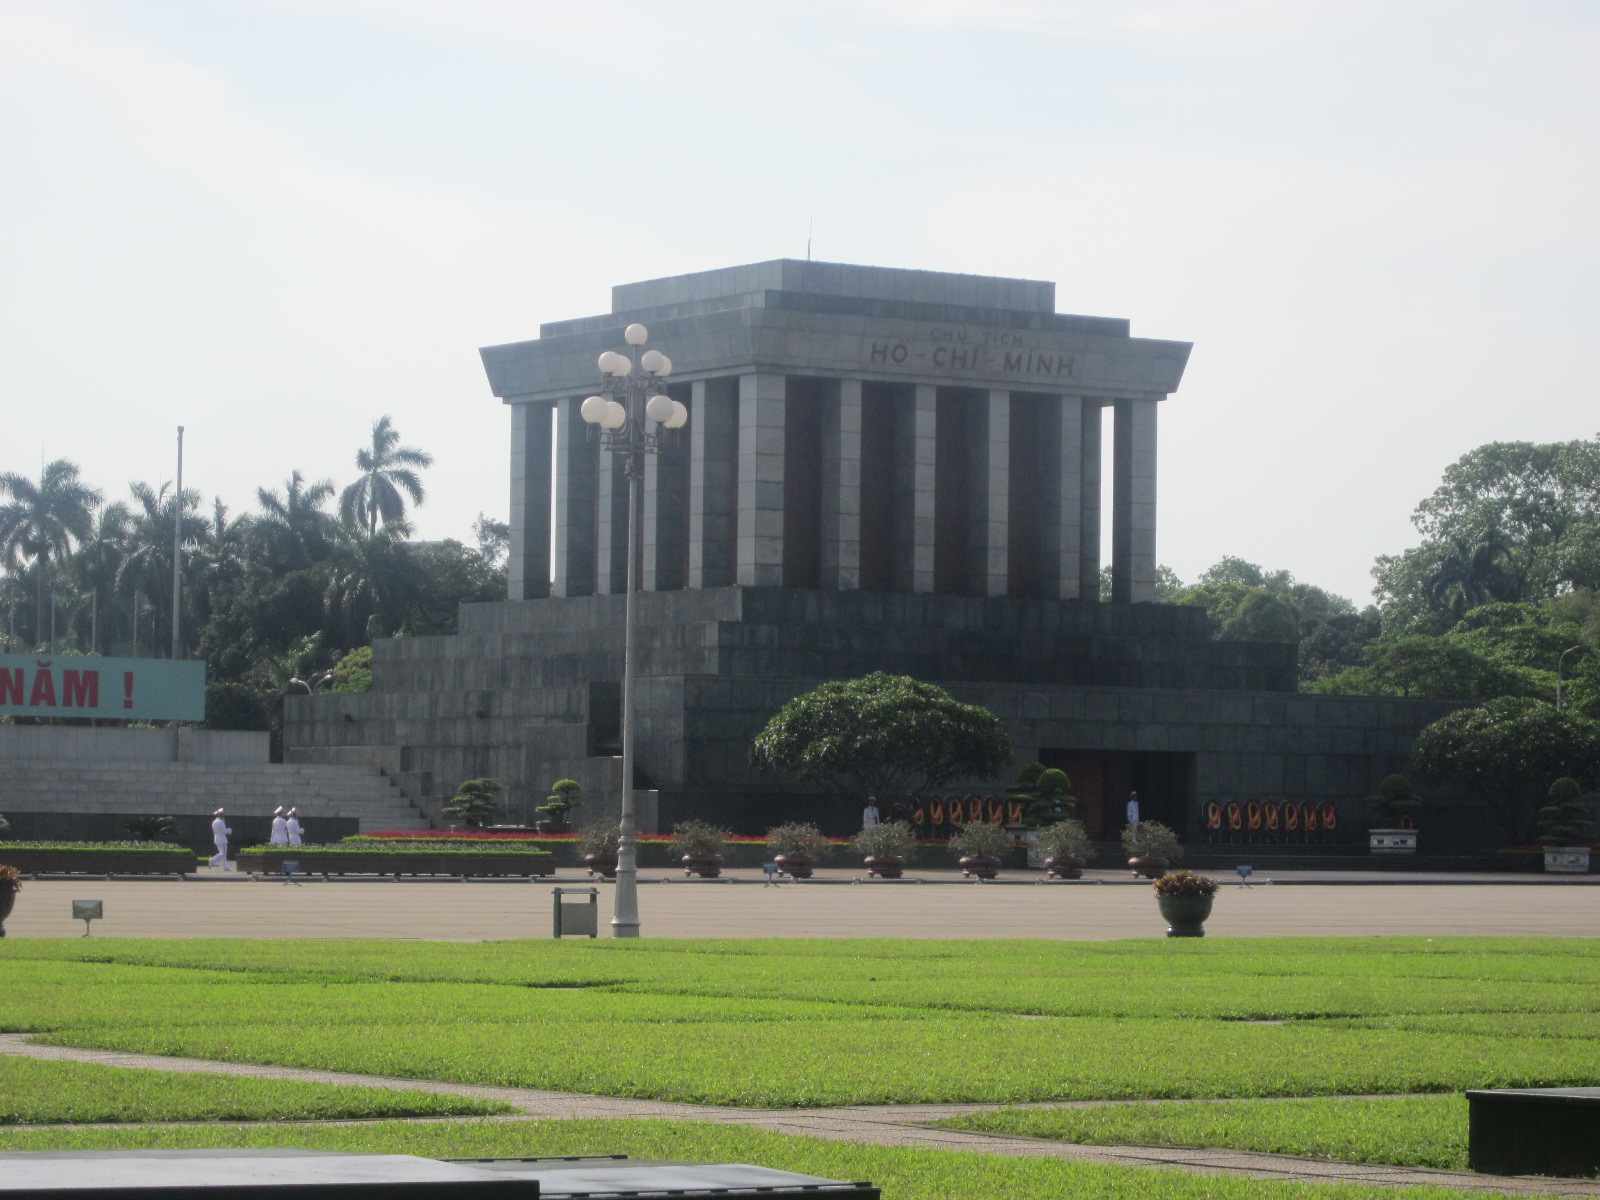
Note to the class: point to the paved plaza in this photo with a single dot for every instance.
(1106, 906)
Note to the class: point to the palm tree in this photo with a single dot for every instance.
(44, 521)
(1471, 574)
(293, 526)
(387, 469)
(96, 566)
(147, 569)
(367, 588)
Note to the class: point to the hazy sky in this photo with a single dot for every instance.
(273, 220)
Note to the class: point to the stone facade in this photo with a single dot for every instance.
(883, 470)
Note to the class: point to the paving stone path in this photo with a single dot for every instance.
(879, 1125)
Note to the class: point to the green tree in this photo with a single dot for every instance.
(147, 569)
(1047, 792)
(387, 469)
(475, 802)
(1565, 821)
(884, 735)
(293, 529)
(43, 522)
(1505, 750)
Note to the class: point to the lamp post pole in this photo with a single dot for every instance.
(622, 414)
(1559, 663)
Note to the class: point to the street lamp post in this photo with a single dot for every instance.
(1559, 663)
(622, 414)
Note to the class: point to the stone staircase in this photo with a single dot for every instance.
(193, 789)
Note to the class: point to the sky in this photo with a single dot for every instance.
(273, 221)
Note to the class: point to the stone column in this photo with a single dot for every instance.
(1133, 503)
(662, 540)
(760, 531)
(1061, 496)
(528, 563)
(988, 553)
(1089, 500)
(713, 447)
(576, 460)
(841, 489)
(611, 526)
(914, 475)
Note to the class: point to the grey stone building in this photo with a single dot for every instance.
(882, 469)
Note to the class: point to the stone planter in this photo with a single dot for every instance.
(980, 866)
(603, 865)
(1566, 860)
(378, 863)
(101, 862)
(1068, 866)
(1185, 915)
(552, 825)
(887, 867)
(8, 898)
(1392, 841)
(706, 866)
(795, 866)
(1148, 866)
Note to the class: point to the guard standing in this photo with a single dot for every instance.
(1133, 808)
(292, 826)
(869, 814)
(280, 828)
(219, 836)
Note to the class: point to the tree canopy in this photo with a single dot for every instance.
(883, 735)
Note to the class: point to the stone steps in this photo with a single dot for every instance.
(360, 793)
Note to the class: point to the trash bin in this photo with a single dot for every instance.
(574, 916)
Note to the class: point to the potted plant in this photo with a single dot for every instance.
(474, 802)
(1394, 811)
(978, 846)
(1564, 826)
(1152, 847)
(565, 795)
(10, 885)
(700, 845)
(887, 847)
(1185, 900)
(797, 847)
(1067, 849)
(598, 845)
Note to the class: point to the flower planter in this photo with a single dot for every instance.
(886, 867)
(1148, 866)
(795, 866)
(1392, 841)
(706, 866)
(1068, 866)
(470, 863)
(603, 865)
(980, 866)
(1566, 860)
(1185, 915)
(8, 898)
(100, 862)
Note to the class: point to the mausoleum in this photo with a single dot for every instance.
(881, 470)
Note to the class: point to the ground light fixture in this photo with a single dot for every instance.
(632, 417)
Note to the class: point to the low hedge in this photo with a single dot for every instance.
(359, 860)
(98, 858)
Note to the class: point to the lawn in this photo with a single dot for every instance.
(42, 1092)
(902, 1174)
(787, 1023)
(1419, 1131)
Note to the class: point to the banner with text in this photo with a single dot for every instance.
(127, 689)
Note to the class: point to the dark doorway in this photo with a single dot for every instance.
(1103, 779)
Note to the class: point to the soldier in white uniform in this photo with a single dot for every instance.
(1133, 808)
(219, 835)
(869, 814)
(293, 827)
(280, 828)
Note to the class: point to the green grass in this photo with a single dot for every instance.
(903, 1174)
(782, 1023)
(36, 1091)
(1421, 1131)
